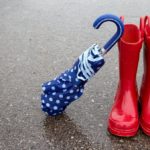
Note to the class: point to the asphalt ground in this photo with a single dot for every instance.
(39, 40)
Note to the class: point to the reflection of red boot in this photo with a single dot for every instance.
(145, 89)
(124, 119)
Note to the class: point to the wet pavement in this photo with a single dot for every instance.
(40, 39)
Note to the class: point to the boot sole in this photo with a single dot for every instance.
(123, 133)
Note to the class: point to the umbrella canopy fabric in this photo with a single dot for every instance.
(69, 86)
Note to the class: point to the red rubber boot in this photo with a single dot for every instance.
(145, 89)
(124, 119)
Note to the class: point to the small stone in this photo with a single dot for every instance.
(92, 101)
(79, 141)
(100, 125)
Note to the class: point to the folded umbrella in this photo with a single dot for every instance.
(69, 86)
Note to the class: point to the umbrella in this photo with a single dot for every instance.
(58, 93)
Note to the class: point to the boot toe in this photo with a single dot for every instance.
(123, 126)
(145, 125)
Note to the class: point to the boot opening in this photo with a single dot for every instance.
(131, 33)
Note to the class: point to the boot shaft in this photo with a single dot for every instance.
(129, 50)
(147, 52)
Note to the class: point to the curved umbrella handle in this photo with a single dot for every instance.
(120, 29)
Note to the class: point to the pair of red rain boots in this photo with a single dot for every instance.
(125, 118)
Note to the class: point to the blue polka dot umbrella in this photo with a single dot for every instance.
(69, 86)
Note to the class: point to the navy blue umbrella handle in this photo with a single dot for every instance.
(120, 29)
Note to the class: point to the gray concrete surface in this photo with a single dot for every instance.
(40, 39)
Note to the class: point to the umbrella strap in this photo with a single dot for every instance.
(84, 64)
